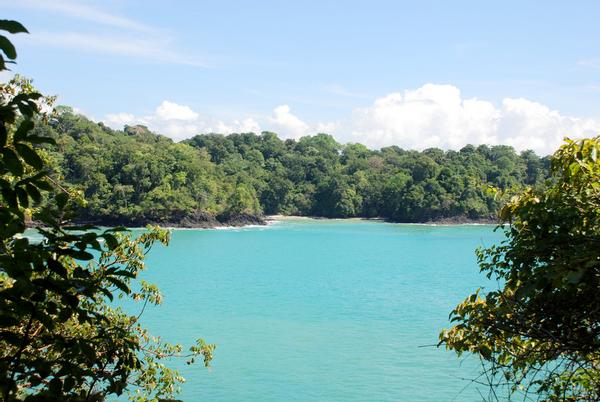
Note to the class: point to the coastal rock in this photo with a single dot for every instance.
(243, 220)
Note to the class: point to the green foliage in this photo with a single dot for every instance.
(10, 53)
(539, 332)
(135, 177)
(243, 201)
(61, 338)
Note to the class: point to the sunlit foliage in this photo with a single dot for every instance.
(538, 334)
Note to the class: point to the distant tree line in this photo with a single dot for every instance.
(133, 176)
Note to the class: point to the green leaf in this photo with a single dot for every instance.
(12, 162)
(12, 26)
(57, 267)
(25, 102)
(8, 321)
(37, 139)
(69, 300)
(61, 200)
(24, 128)
(118, 283)
(125, 273)
(3, 135)
(22, 196)
(68, 384)
(111, 241)
(8, 48)
(55, 386)
(33, 192)
(107, 294)
(10, 197)
(11, 338)
(78, 254)
(43, 185)
(30, 156)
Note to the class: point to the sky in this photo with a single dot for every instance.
(415, 74)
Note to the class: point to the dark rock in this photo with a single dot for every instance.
(243, 220)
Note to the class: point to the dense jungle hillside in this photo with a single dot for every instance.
(133, 177)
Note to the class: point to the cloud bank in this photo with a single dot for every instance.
(430, 116)
(438, 116)
(180, 122)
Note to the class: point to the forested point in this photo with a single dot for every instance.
(134, 177)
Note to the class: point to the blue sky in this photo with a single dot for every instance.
(415, 74)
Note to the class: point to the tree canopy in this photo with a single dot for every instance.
(538, 334)
(133, 177)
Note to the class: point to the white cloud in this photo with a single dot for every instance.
(287, 124)
(172, 111)
(433, 115)
(169, 118)
(331, 127)
(531, 125)
(180, 122)
(248, 125)
(121, 119)
(430, 116)
(179, 131)
(438, 116)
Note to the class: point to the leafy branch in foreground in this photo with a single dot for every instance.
(538, 335)
(61, 337)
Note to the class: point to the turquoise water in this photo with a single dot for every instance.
(319, 310)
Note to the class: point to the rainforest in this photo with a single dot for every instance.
(134, 177)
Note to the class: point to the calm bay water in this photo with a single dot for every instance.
(319, 310)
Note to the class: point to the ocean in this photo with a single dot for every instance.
(319, 310)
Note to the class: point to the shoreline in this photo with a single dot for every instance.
(440, 222)
(248, 221)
